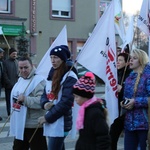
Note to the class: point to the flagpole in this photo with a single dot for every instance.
(6, 41)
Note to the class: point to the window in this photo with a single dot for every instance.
(62, 9)
(5, 6)
(103, 6)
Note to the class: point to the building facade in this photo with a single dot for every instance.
(44, 19)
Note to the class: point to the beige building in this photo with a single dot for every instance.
(42, 20)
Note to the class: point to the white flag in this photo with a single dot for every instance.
(129, 34)
(99, 56)
(143, 21)
(118, 18)
(1, 31)
(45, 64)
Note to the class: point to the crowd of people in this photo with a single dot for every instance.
(44, 107)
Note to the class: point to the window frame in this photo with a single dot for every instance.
(8, 11)
(71, 15)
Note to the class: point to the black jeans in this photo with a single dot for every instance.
(115, 131)
(38, 141)
(7, 96)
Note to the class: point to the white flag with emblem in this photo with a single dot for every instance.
(119, 21)
(99, 56)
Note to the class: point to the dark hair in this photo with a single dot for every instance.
(24, 58)
(126, 56)
(11, 50)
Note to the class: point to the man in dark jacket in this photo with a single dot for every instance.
(10, 75)
(1, 71)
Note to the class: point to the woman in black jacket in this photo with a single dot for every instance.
(91, 120)
(58, 98)
(118, 124)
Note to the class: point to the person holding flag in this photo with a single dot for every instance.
(136, 94)
(123, 72)
(58, 98)
(26, 109)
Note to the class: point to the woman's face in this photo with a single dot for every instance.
(134, 62)
(79, 100)
(25, 68)
(56, 61)
(121, 62)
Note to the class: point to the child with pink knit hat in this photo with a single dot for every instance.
(91, 120)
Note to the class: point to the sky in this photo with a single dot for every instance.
(131, 6)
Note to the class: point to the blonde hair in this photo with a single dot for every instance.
(143, 60)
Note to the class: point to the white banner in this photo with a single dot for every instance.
(99, 56)
(143, 21)
(119, 21)
(129, 34)
(45, 64)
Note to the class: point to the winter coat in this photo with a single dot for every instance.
(62, 110)
(95, 134)
(10, 73)
(137, 117)
(32, 102)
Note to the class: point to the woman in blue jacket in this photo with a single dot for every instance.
(136, 94)
(58, 98)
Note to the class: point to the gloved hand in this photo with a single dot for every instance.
(48, 105)
(41, 120)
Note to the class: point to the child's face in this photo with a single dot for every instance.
(79, 99)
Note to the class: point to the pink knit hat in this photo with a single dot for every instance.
(85, 86)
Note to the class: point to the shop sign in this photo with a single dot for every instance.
(12, 30)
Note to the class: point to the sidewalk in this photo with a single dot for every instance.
(69, 144)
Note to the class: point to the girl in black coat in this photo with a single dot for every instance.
(91, 120)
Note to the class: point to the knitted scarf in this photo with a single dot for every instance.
(80, 118)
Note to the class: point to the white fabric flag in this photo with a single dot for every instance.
(45, 64)
(118, 17)
(143, 21)
(1, 31)
(129, 34)
(99, 56)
